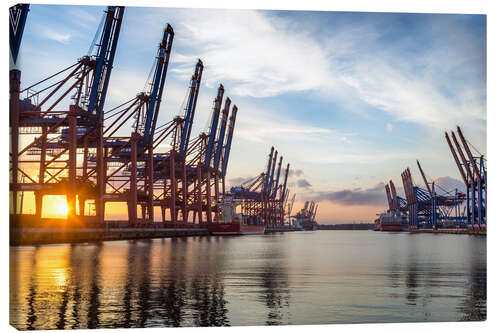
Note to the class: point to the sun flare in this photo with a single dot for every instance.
(61, 208)
(55, 206)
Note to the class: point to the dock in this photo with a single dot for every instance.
(38, 236)
(461, 231)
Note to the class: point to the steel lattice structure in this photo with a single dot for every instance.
(78, 152)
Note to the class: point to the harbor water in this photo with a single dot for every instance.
(319, 277)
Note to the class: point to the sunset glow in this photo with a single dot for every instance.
(55, 206)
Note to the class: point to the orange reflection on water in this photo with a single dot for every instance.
(115, 284)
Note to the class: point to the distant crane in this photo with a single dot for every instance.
(473, 171)
(290, 207)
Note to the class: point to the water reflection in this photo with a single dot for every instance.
(276, 294)
(31, 296)
(95, 289)
(209, 303)
(275, 289)
(217, 281)
(426, 280)
(473, 307)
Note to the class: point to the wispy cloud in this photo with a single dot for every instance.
(258, 54)
(447, 185)
(58, 36)
(354, 197)
(263, 55)
(303, 183)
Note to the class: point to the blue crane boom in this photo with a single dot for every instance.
(266, 181)
(284, 182)
(275, 190)
(158, 84)
(229, 139)
(222, 132)
(17, 18)
(271, 179)
(105, 57)
(213, 126)
(194, 89)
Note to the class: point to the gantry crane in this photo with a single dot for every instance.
(473, 171)
(117, 167)
(69, 102)
(264, 199)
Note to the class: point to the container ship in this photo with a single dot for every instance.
(229, 222)
(389, 222)
(305, 218)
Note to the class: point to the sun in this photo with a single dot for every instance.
(55, 206)
(61, 208)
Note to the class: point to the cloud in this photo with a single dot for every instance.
(353, 64)
(374, 196)
(237, 181)
(412, 82)
(345, 139)
(299, 173)
(260, 55)
(85, 18)
(49, 33)
(296, 173)
(302, 183)
(449, 184)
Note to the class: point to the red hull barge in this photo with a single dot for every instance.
(390, 227)
(236, 229)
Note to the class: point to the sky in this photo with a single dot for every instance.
(348, 99)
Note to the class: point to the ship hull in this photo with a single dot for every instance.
(309, 226)
(222, 229)
(391, 227)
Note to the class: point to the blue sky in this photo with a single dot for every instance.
(349, 99)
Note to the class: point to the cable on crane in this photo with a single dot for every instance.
(477, 151)
(97, 33)
(118, 107)
(148, 83)
(184, 103)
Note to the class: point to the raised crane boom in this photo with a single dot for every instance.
(389, 197)
(462, 156)
(290, 205)
(213, 126)
(457, 161)
(229, 139)
(157, 85)
(286, 179)
(431, 193)
(105, 57)
(194, 89)
(17, 18)
(395, 200)
(266, 181)
(311, 208)
(275, 190)
(222, 133)
(271, 179)
(315, 211)
(469, 154)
